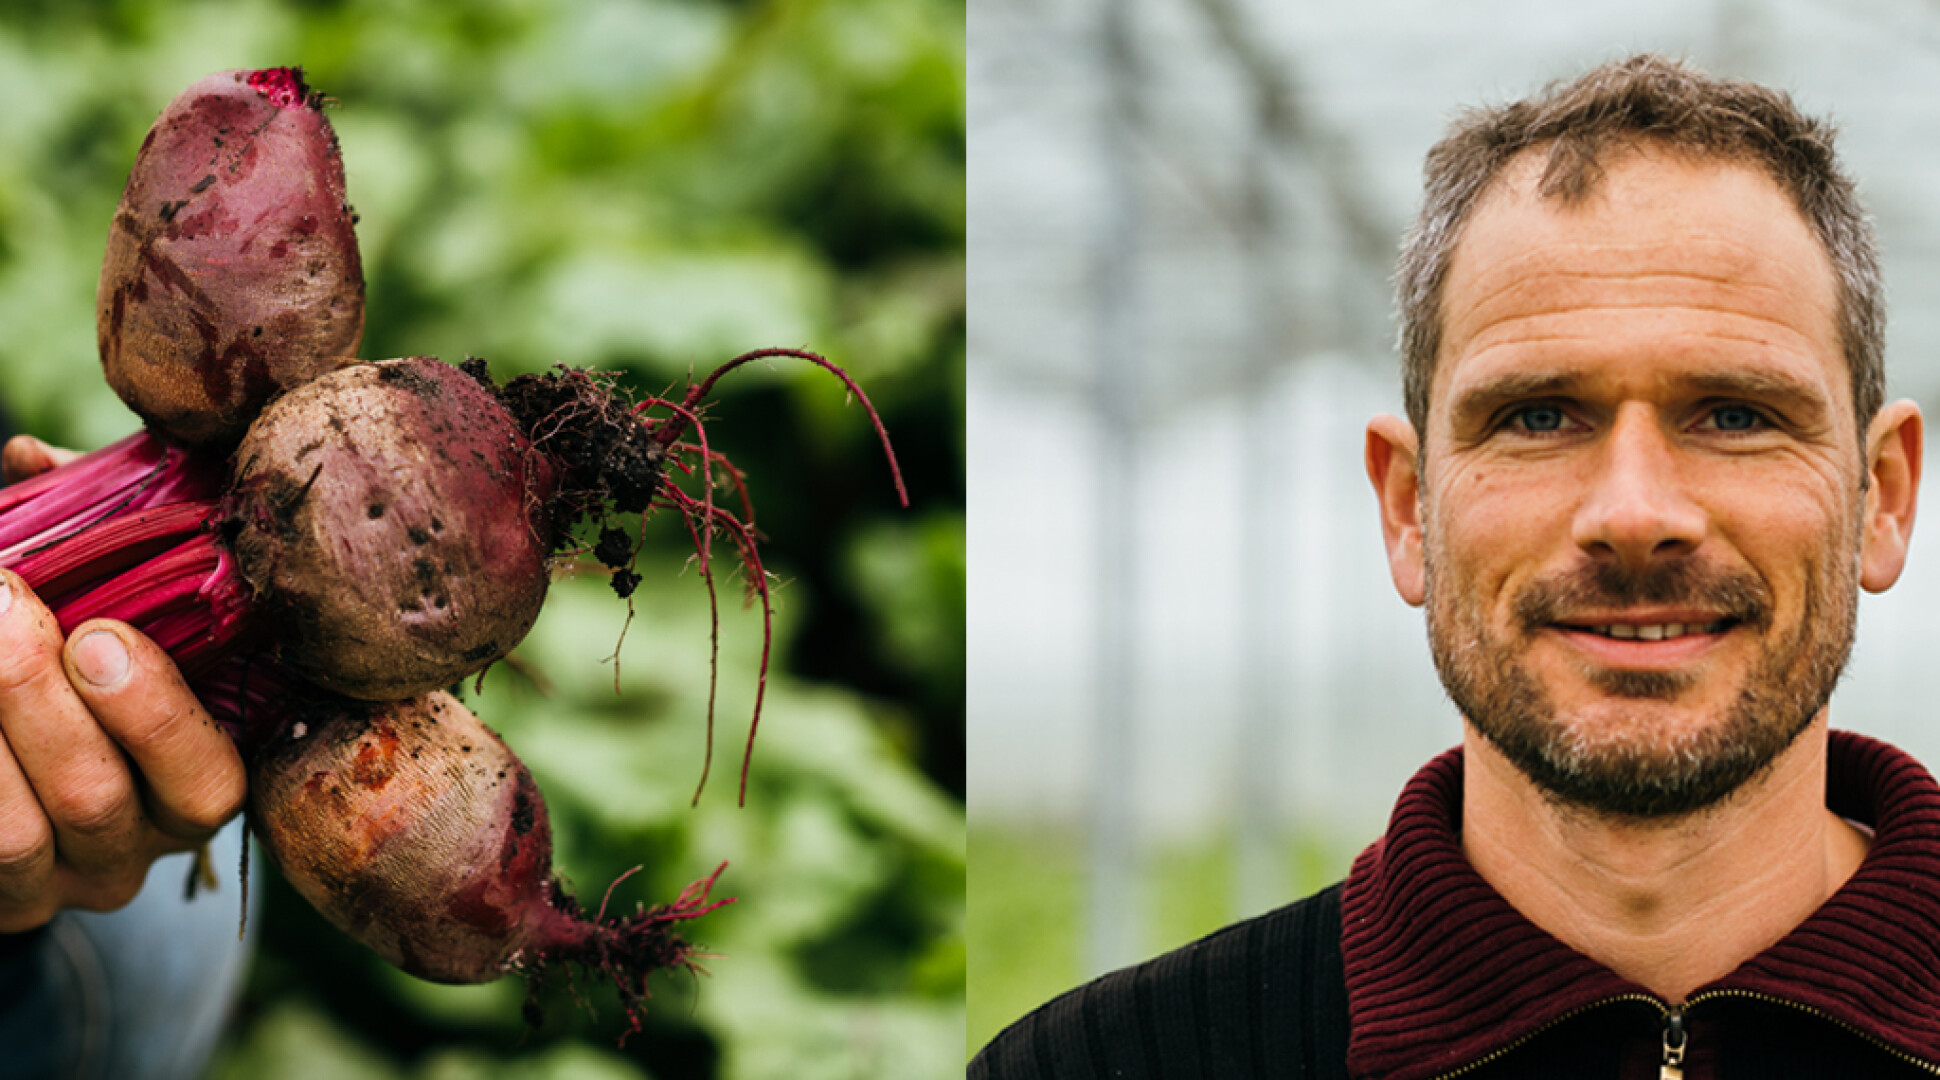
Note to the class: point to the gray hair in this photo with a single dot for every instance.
(1651, 99)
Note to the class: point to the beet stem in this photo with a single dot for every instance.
(123, 533)
(186, 599)
(135, 473)
(92, 554)
(283, 87)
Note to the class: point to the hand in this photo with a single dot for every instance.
(26, 456)
(107, 761)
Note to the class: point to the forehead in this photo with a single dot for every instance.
(1669, 266)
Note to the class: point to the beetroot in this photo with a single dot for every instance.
(395, 521)
(384, 515)
(232, 269)
(413, 829)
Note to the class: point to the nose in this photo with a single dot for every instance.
(1636, 508)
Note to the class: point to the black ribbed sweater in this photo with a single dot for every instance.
(1437, 976)
(1261, 998)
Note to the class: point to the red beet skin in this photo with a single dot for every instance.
(415, 830)
(384, 515)
(232, 269)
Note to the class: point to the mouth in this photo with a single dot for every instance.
(1646, 641)
(1674, 619)
(1653, 631)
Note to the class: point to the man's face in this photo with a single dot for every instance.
(1642, 488)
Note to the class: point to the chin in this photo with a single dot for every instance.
(1641, 759)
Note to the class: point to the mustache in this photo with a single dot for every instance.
(1601, 586)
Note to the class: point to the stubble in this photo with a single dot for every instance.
(1624, 763)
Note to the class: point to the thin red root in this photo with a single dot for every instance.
(686, 905)
(648, 929)
(713, 660)
(744, 540)
(671, 430)
(746, 545)
(702, 517)
(601, 917)
(734, 473)
(689, 417)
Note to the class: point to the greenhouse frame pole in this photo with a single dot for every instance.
(1114, 886)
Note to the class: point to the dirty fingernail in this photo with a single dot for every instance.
(101, 658)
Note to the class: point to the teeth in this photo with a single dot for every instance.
(1661, 632)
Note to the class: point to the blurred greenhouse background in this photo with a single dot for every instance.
(1193, 693)
(648, 186)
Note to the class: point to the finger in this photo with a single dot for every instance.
(26, 852)
(101, 891)
(25, 456)
(77, 773)
(192, 774)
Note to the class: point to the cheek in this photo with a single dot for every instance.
(1782, 527)
(1486, 522)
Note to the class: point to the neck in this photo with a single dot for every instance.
(1670, 904)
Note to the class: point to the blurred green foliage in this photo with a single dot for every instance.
(649, 187)
(1027, 902)
(1027, 928)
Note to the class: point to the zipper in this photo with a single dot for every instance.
(1753, 995)
(1676, 1036)
(1498, 1054)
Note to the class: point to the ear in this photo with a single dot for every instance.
(1392, 466)
(1893, 464)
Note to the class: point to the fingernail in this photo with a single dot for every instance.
(101, 658)
(6, 593)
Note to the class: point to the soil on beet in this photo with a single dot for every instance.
(608, 459)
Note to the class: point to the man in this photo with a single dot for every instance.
(107, 764)
(1645, 470)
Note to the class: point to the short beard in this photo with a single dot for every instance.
(1624, 769)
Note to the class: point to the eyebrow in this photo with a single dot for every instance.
(1761, 385)
(1477, 404)
(1474, 406)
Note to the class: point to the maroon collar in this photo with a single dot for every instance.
(1441, 971)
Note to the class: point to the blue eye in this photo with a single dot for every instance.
(1540, 418)
(1735, 418)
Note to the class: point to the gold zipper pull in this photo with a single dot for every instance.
(1673, 1067)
